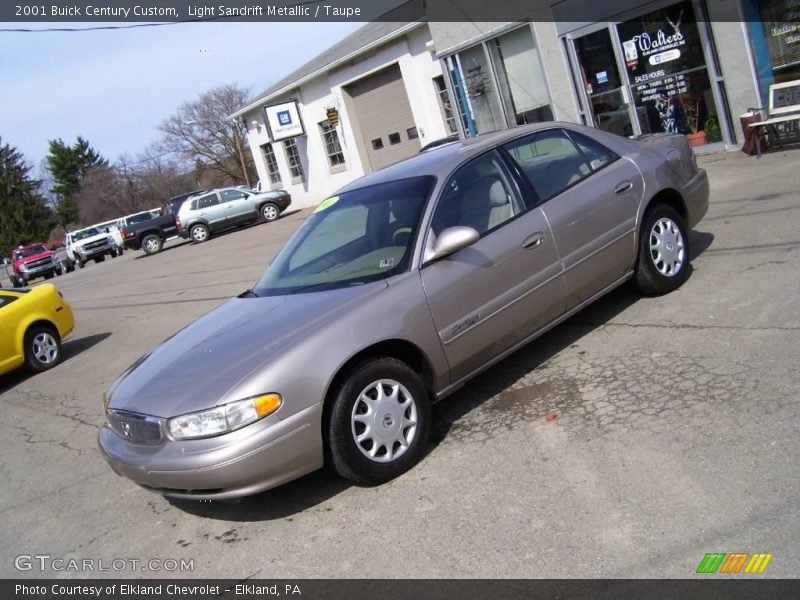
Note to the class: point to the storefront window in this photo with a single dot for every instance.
(774, 28)
(516, 66)
(664, 58)
(522, 82)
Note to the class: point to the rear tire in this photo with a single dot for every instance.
(42, 348)
(378, 423)
(152, 244)
(663, 261)
(199, 233)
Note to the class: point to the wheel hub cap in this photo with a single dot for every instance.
(667, 248)
(384, 420)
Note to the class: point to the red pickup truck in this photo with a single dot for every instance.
(33, 260)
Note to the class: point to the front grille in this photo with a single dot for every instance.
(41, 262)
(137, 429)
(95, 245)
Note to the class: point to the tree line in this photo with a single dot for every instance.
(198, 148)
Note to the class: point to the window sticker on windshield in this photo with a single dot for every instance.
(326, 204)
(386, 263)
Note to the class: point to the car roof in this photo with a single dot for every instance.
(442, 160)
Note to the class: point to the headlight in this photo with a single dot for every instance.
(23, 267)
(223, 419)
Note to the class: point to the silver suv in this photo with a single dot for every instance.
(225, 208)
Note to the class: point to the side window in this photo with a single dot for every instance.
(207, 201)
(550, 160)
(230, 195)
(598, 155)
(481, 195)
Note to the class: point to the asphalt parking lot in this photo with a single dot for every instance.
(676, 435)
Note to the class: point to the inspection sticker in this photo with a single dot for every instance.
(326, 204)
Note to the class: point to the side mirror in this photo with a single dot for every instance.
(108, 230)
(451, 240)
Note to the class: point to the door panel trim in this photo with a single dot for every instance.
(497, 306)
(440, 395)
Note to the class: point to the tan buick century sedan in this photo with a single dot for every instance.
(395, 292)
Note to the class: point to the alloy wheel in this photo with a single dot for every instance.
(45, 348)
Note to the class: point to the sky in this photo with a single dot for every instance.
(115, 87)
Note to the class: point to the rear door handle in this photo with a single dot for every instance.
(533, 241)
(623, 186)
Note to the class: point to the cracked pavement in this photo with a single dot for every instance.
(675, 429)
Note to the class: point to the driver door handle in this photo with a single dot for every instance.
(623, 186)
(533, 241)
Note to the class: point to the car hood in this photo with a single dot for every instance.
(201, 365)
(32, 257)
(88, 240)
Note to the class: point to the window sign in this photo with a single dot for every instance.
(666, 68)
(284, 121)
(782, 31)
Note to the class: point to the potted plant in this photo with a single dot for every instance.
(712, 129)
(690, 104)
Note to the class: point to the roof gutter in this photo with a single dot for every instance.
(306, 78)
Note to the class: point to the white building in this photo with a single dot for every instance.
(385, 85)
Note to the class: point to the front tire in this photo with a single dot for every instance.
(663, 261)
(151, 244)
(199, 233)
(378, 423)
(270, 212)
(42, 348)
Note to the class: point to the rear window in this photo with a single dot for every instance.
(5, 300)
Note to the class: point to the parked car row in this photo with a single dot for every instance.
(200, 214)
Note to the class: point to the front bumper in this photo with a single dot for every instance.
(96, 252)
(40, 271)
(253, 459)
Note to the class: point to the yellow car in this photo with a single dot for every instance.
(32, 324)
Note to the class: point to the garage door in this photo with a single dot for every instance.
(384, 117)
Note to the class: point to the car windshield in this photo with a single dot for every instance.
(85, 233)
(31, 250)
(356, 237)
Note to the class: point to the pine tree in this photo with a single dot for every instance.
(69, 165)
(24, 217)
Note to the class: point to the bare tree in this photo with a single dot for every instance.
(201, 131)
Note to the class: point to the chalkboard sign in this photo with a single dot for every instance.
(784, 97)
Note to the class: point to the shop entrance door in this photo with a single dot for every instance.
(606, 93)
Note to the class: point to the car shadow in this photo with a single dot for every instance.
(172, 245)
(282, 502)
(699, 242)
(314, 489)
(69, 350)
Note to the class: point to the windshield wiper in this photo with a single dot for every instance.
(248, 293)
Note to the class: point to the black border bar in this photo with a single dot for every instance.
(708, 587)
